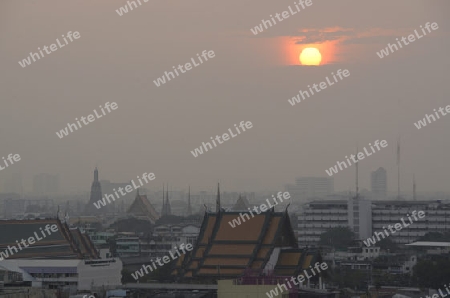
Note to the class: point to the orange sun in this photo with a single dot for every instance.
(310, 56)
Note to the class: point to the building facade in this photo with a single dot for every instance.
(311, 187)
(378, 183)
(365, 217)
(45, 184)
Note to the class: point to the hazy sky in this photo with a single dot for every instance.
(155, 128)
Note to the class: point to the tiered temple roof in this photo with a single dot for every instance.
(64, 243)
(241, 204)
(263, 243)
(143, 209)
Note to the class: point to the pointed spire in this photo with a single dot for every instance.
(167, 205)
(218, 198)
(189, 211)
(163, 209)
(357, 175)
(398, 170)
(96, 174)
(137, 193)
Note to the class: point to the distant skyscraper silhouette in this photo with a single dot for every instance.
(379, 183)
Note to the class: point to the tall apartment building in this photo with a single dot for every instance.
(317, 217)
(45, 184)
(311, 187)
(386, 213)
(378, 183)
(12, 183)
(364, 217)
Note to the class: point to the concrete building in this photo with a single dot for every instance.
(311, 187)
(45, 184)
(56, 256)
(378, 183)
(12, 183)
(365, 217)
(74, 274)
(317, 217)
(128, 246)
(386, 213)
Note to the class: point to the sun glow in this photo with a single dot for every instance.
(310, 56)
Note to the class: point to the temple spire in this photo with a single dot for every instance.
(95, 196)
(189, 211)
(167, 205)
(218, 198)
(163, 209)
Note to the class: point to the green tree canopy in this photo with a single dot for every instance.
(341, 237)
(432, 273)
(388, 244)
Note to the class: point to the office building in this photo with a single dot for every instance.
(378, 183)
(45, 184)
(311, 187)
(365, 217)
(317, 217)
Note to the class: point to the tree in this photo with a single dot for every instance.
(435, 236)
(388, 244)
(341, 237)
(431, 273)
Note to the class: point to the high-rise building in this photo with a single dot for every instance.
(365, 217)
(311, 187)
(317, 217)
(12, 183)
(45, 183)
(378, 182)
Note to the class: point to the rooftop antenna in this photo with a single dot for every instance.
(189, 211)
(357, 175)
(414, 187)
(398, 168)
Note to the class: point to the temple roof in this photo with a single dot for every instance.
(224, 251)
(59, 244)
(241, 204)
(143, 209)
